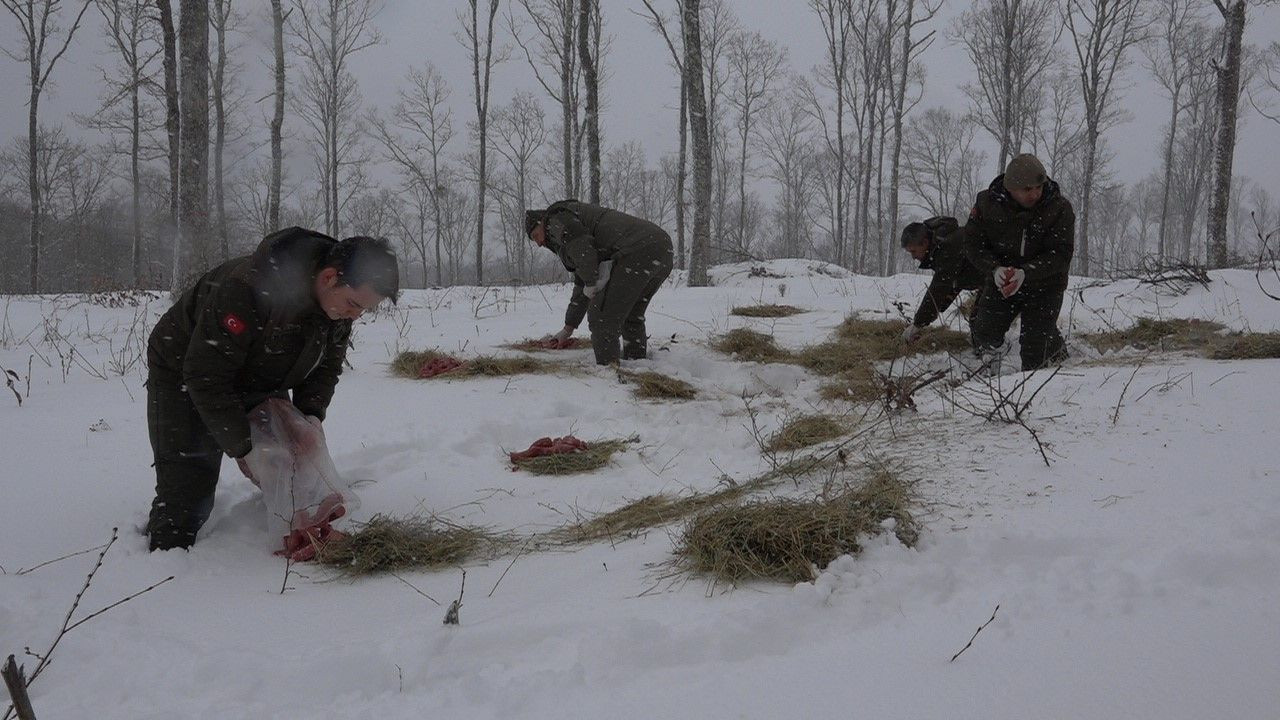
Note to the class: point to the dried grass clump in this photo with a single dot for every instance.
(650, 385)
(834, 358)
(408, 364)
(390, 544)
(532, 345)
(882, 339)
(766, 311)
(597, 455)
(1151, 334)
(790, 540)
(805, 431)
(648, 512)
(1245, 346)
(860, 384)
(751, 346)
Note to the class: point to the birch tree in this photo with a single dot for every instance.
(699, 121)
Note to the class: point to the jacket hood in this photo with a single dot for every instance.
(1051, 191)
(283, 268)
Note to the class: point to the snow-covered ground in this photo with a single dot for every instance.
(1136, 576)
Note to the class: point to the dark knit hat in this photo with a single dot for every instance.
(532, 219)
(1024, 171)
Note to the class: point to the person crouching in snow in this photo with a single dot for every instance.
(618, 262)
(938, 245)
(253, 328)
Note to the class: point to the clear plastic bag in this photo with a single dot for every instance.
(290, 462)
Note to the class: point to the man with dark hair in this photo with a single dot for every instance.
(1021, 233)
(618, 262)
(253, 328)
(938, 245)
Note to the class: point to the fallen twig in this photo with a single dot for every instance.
(975, 634)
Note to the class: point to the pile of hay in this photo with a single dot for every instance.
(1244, 346)
(805, 431)
(858, 384)
(408, 364)
(650, 385)
(597, 455)
(835, 358)
(648, 512)
(390, 544)
(766, 311)
(751, 346)
(790, 540)
(533, 345)
(1164, 335)
(882, 339)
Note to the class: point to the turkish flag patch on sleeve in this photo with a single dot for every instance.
(233, 324)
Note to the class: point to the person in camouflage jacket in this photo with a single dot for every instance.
(255, 327)
(938, 245)
(618, 263)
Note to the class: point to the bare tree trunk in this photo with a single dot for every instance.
(681, 166)
(277, 119)
(591, 79)
(172, 111)
(1168, 174)
(220, 18)
(1228, 97)
(566, 97)
(701, 145)
(193, 201)
(480, 71)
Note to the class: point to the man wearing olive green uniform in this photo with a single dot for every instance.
(618, 262)
(252, 328)
(1021, 233)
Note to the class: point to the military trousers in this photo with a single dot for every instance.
(1040, 341)
(618, 310)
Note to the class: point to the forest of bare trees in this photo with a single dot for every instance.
(219, 121)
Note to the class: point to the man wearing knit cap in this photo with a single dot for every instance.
(618, 262)
(1021, 233)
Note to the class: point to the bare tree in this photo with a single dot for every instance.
(327, 33)
(125, 111)
(1010, 43)
(1102, 32)
(591, 81)
(520, 133)
(40, 33)
(415, 141)
(1268, 92)
(228, 101)
(1174, 55)
(193, 168)
(784, 141)
(754, 66)
(275, 179)
(659, 23)
(478, 39)
(699, 121)
(837, 19)
(911, 48)
(942, 165)
(1227, 93)
(172, 118)
(555, 25)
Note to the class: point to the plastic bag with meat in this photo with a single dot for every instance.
(300, 486)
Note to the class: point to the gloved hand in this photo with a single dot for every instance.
(1009, 280)
(561, 338)
(911, 333)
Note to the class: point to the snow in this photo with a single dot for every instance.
(1135, 577)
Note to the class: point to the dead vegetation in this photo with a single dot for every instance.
(533, 345)
(791, 540)
(1158, 335)
(805, 431)
(409, 364)
(750, 346)
(391, 544)
(652, 385)
(1245, 346)
(596, 455)
(766, 311)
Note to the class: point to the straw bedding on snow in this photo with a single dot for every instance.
(1152, 334)
(597, 455)
(651, 385)
(805, 431)
(408, 364)
(766, 311)
(390, 544)
(790, 540)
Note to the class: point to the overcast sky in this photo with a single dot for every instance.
(641, 93)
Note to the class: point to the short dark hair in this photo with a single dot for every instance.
(915, 233)
(366, 261)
